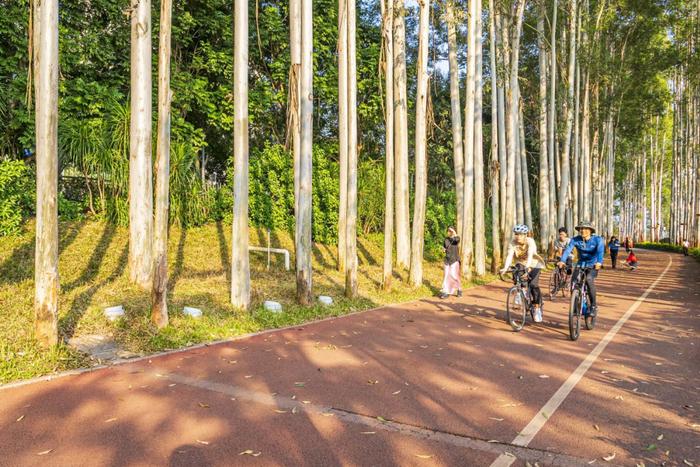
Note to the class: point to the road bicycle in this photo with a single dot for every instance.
(579, 305)
(559, 281)
(518, 299)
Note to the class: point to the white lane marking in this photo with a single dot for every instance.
(528, 433)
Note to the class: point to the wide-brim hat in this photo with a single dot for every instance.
(585, 225)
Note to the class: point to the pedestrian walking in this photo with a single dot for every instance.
(614, 247)
(686, 246)
(451, 282)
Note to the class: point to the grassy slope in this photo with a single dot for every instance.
(94, 274)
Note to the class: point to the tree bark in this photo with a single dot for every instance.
(46, 279)
(494, 170)
(403, 235)
(456, 112)
(416, 272)
(387, 28)
(343, 143)
(479, 202)
(351, 232)
(544, 162)
(303, 224)
(140, 171)
(159, 303)
(467, 232)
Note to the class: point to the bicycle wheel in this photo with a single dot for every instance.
(553, 284)
(575, 314)
(590, 320)
(516, 307)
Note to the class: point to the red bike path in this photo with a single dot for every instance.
(432, 382)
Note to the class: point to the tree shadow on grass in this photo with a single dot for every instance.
(96, 259)
(179, 259)
(20, 265)
(68, 323)
(224, 251)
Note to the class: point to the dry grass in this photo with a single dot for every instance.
(94, 274)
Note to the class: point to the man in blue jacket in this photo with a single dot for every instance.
(590, 254)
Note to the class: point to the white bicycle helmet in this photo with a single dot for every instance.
(521, 229)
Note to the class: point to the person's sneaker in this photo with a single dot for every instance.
(594, 311)
(538, 314)
(459, 293)
(443, 295)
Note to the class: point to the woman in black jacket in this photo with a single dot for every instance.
(451, 282)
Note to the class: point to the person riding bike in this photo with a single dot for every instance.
(590, 254)
(523, 250)
(560, 244)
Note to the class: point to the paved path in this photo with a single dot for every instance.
(426, 383)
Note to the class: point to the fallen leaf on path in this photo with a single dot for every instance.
(543, 376)
(248, 376)
(369, 381)
(294, 410)
(592, 462)
(687, 462)
(620, 398)
(328, 414)
(609, 458)
(605, 372)
(424, 456)
(368, 432)
(497, 419)
(300, 384)
(110, 420)
(396, 392)
(206, 443)
(596, 427)
(660, 437)
(21, 417)
(651, 447)
(281, 411)
(640, 464)
(381, 419)
(203, 405)
(305, 402)
(43, 453)
(250, 452)
(171, 385)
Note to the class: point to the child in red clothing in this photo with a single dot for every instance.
(631, 261)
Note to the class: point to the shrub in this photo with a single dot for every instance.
(17, 195)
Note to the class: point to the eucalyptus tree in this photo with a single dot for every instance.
(494, 174)
(401, 185)
(303, 221)
(343, 140)
(455, 111)
(479, 202)
(140, 170)
(467, 233)
(351, 211)
(543, 173)
(388, 42)
(240, 261)
(159, 305)
(46, 278)
(416, 271)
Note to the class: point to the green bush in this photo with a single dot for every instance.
(70, 210)
(17, 195)
(662, 246)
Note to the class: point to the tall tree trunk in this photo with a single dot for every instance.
(456, 112)
(295, 95)
(388, 26)
(552, 133)
(351, 232)
(566, 154)
(159, 303)
(494, 169)
(303, 221)
(527, 207)
(544, 163)
(479, 202)
(403, 236)
(416, 272)
(46, 277)
(343, 142)
(140, 172)
(468, 214)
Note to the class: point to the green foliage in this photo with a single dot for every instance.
(662, 246)
(16, 195)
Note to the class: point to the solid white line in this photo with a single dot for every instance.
(528, 433)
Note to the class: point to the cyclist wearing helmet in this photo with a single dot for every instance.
(523, 250)
(590, 254)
